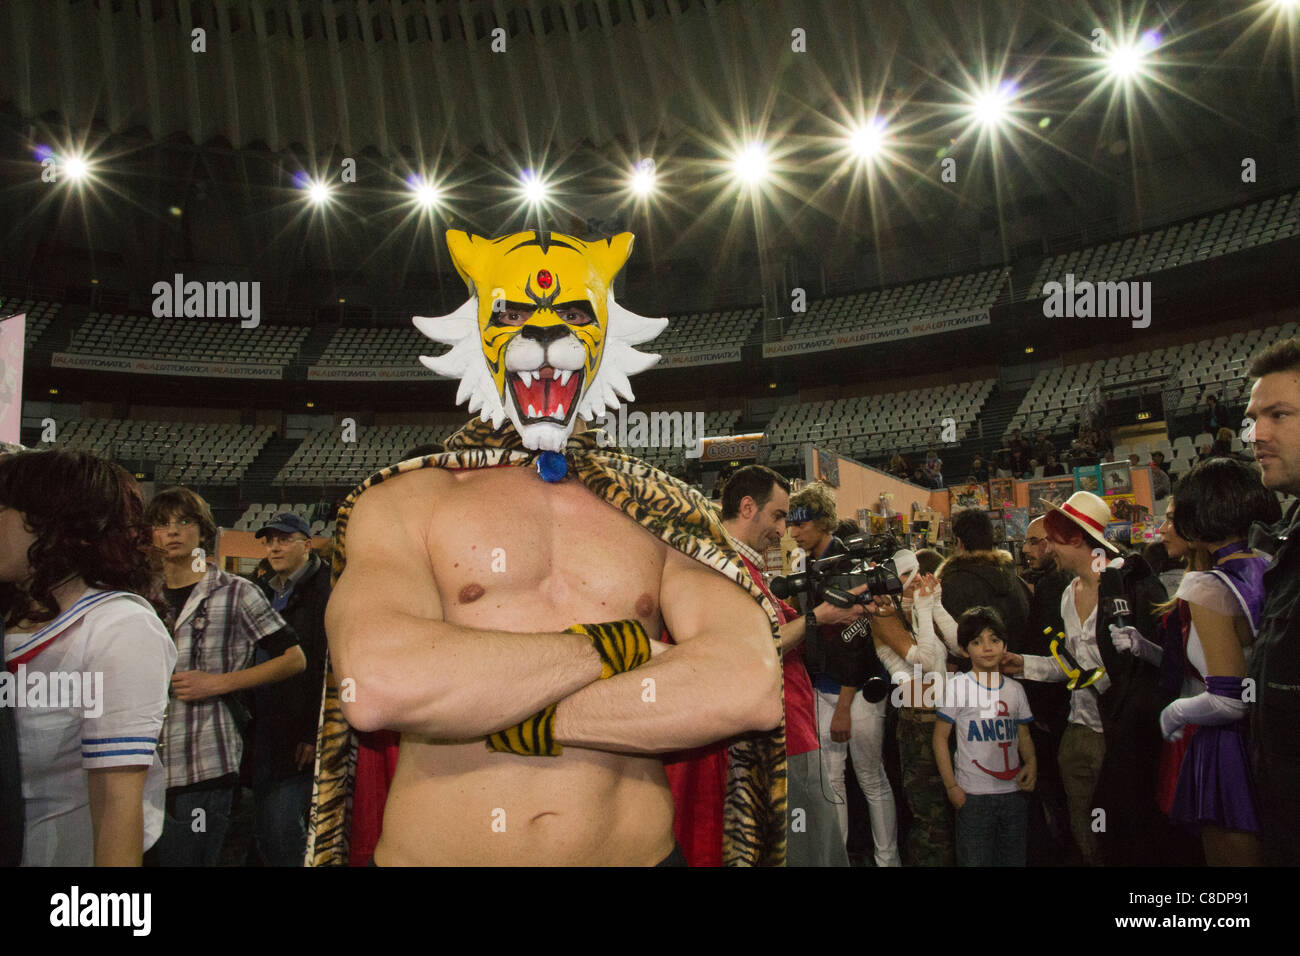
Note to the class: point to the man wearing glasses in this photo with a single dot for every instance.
(221, 621)
(1049, 702)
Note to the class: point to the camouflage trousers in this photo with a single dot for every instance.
(930, 838)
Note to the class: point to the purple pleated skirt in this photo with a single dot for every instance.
(1214, 783)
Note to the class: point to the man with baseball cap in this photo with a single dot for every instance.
(1110, 697)
(284, 730)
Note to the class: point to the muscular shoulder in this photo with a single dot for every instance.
(410, 494)
(686, 575)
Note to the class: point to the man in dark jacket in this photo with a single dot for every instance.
(1048, 702)
(979, 576)
(1137, 832)
(1274, 668)
(285, 717)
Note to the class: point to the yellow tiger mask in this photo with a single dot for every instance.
(541, 339)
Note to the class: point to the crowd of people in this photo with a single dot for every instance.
(1020, 457)
(926, 472)
(1159, 691)
(1143, 703)
(156, 668)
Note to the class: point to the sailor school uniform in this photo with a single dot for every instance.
(114, 646)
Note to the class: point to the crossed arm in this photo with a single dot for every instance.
(415, 672)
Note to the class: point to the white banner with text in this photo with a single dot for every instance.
(145, 366)
(904, 329)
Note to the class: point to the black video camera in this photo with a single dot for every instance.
(852, 659)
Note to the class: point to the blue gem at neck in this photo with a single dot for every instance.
(552, 466)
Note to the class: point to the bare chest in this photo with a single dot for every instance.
(514, 552)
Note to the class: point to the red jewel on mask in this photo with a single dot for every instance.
(544, 279)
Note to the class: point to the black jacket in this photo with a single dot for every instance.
(1275, 670)
(1137, 832)
(987, 578)
(819, 645)
(287, 713)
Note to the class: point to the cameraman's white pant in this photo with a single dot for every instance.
(866, 740)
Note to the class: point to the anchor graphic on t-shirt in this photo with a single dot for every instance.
(1010, 772)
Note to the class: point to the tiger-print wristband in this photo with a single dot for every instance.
(622, 645)
(532, 737)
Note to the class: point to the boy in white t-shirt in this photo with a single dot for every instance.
(996, 764)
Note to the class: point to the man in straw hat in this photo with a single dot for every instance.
(1113, 731)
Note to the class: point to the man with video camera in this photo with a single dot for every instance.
(846, 721)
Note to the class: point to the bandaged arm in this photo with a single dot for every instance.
(929, 615)
(943, 624)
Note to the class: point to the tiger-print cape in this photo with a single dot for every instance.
(754, 829)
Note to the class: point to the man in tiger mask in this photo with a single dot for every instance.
(504, 621)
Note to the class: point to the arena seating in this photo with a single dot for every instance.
(1053, 402)
(396, 346)
(964, 293)
(874, 425)
(195, 340)
(1195, 241)
(323, 458)
(187, 453)
(705, 330)
(1184, 373)
(258, 514)
(40, 314)
(1218, 366)
(402, 345)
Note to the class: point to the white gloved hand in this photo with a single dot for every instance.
(1172, 722)
(1130, 640)
(1124, 638)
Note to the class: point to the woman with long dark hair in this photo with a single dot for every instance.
(1204, 641)
(88, 658)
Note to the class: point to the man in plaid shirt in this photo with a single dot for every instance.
(221, 620)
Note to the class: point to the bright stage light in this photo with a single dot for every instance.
(1128, 59)
(1286, 4)
(868, 139)
(643, 177)
(534, 189)
(318, 193)
(74, 167)
(750, 164)
(426, 193)
(991, 107)
(1124, 61)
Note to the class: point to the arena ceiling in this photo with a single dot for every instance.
(474, 91)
